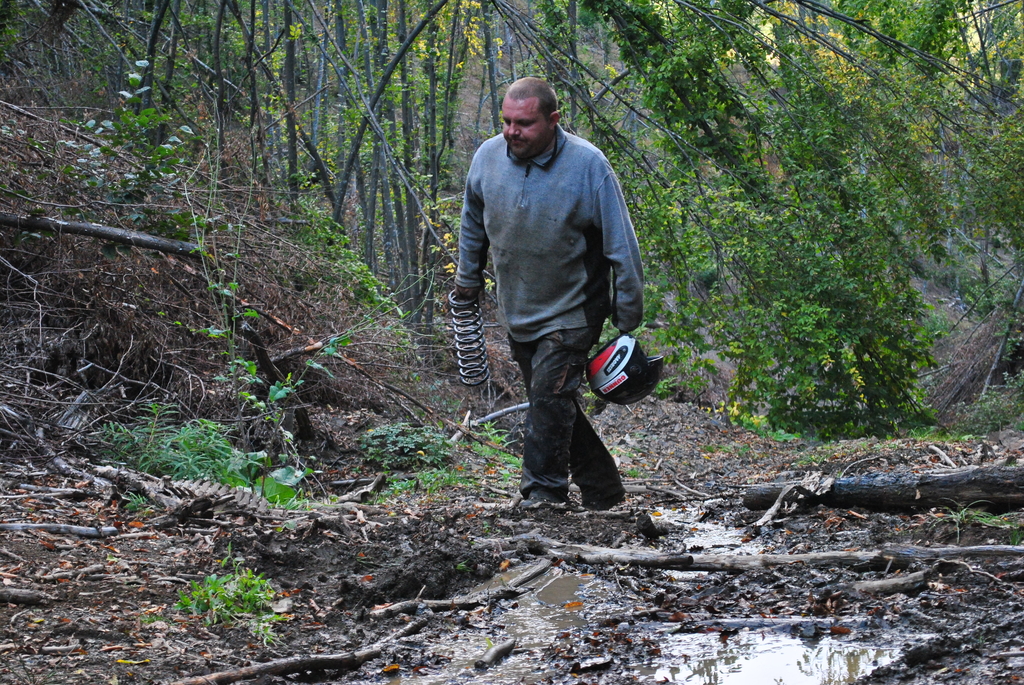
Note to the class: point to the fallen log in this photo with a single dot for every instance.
(64, 575)
(531, 573)
(869, 560)
(10, 595)
(812, 485)
(295, 664)
(887, 558)
(114, 235)
(794, 625)
(910, 582)
(367, 493)
(300, 664)
(998, 486)
(511, 591)
(465, 602)
(63, 529)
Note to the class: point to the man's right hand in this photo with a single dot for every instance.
(464, 294)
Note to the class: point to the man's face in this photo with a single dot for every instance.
(527, 131)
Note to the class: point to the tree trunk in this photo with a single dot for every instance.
(381, 85)
(148, 75)
(114, 235)
(290, 122)
(492, 67)
(997, 486)
(169, 64)
(219, 75)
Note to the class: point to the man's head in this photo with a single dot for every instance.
(530, 113)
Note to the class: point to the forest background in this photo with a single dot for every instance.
(804, 177)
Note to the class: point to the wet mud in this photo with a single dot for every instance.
(107, 611)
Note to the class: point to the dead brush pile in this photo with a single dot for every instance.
(93, 333)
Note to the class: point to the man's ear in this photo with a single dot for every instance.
(554, 117)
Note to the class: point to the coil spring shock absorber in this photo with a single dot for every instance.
(470, 346)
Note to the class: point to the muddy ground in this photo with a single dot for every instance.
(109, 613)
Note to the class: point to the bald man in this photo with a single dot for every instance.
(547, 207)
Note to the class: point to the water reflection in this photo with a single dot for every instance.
(760, 658)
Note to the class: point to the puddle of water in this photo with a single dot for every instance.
(558, 599)
(712, 538)
(762, 658)
(553, 608)
(750, 657)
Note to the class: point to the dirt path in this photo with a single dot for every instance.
(107, 611)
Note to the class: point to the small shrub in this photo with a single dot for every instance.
(193, 450)
(240, 595)
(429, 481)
(137, 504)
(404, 447)
(999, 408)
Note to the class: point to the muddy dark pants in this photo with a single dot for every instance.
(559, 438)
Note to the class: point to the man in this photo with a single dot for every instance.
(548, 207)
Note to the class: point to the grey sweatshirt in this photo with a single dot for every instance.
(555, 226)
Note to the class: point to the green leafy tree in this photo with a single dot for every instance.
(799, 190)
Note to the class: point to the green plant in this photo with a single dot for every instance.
(403, 446)
(196, 449)
(430, 481)
(490, 433)
(813, 458)
(966, 516)
(502, 462)
(936, 323)
(998, 408)
(239, 595)
(136, 503)
(279, 486)
(509, 467)
(134, 128)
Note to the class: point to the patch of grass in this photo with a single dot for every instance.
(137, 504)
(509, 467)
(937, 324)
(237, 596)
(502, 463)
(999, 408)
(198, 449)
(405, 447)
(813, 458)
(489, 432)
(937, 434)
(429, 481)
(967, 516)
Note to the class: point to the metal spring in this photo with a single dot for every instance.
(470, 346)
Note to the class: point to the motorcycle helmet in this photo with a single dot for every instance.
(620, 372)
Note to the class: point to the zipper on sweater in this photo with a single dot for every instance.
(522, 194)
